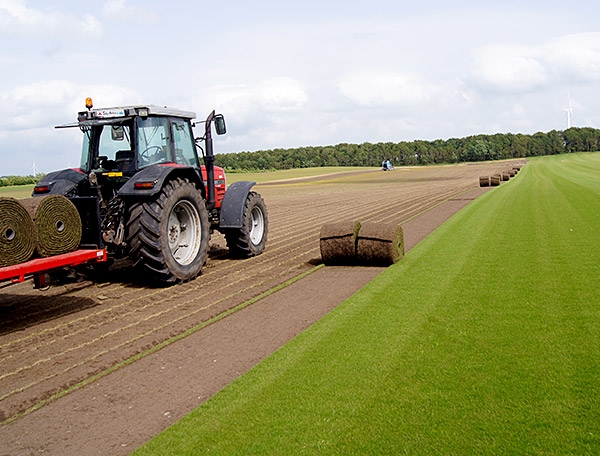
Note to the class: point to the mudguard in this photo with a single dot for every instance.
(60, 182)
(232, 208)
(157, 175)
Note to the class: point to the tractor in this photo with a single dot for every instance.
(142, 192)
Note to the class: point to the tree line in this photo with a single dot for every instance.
(420, 152)
(8, 181)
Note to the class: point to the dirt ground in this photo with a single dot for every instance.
(75, 373)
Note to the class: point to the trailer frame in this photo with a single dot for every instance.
(38, 268)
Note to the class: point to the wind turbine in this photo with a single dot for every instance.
(34, 168)
(569, 112)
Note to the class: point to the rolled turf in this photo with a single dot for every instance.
(338, 242)
(57, 223)
(380, 244)
(17, 233)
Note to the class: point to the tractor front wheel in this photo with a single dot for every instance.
(251, 238)
(168, 236)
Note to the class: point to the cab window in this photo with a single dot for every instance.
(183, 140)
(153, 141)
(115, 143)
(113, 146)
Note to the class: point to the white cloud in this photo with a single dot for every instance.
(17, 18)
(574, 57)
(523, 69)
(272, 96)
(120, 10)
(512, 69)
(374, 88)
(46, 103)
(281, 94)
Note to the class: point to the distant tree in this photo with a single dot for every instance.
(476, 150)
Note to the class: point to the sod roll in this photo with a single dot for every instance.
(338, 242)
(505, 176)
(57, 224)
(17, 233)
(495, 180)
(380, 244)
(484, 181)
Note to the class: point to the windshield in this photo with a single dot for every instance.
(152, 141)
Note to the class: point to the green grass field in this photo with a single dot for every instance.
(484, 339)
(17, 191)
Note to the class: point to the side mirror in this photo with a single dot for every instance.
(220, 124)
(117, 133)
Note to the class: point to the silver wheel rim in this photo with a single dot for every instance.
(257, 228)
(183, 232)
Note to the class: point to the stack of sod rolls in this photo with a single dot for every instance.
(356, 243)
(17, 233)
(57, 224)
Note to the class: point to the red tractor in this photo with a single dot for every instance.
(142, 192)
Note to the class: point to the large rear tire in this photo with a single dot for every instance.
(251, 238)
(168, 236)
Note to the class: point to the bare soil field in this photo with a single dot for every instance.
(79, 368)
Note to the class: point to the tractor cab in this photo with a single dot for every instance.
(127, 144)
(119, 143)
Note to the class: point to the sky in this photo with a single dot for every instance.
(293, 74)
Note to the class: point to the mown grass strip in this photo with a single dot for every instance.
(159, 346)
(17, 191)
(484, 339)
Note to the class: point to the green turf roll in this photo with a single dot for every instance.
(17, 232)
(484, 181)
(380, 244)
(338, 242)
(57, 223)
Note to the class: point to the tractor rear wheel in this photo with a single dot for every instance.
(251, 238)
(168, 236)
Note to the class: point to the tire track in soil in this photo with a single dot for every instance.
(123, 319)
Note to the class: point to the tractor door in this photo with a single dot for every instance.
(108, 147)
(183, 142)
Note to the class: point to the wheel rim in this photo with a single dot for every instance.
(183, 232)
(257, 228)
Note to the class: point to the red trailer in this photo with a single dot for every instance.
(38, 268)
